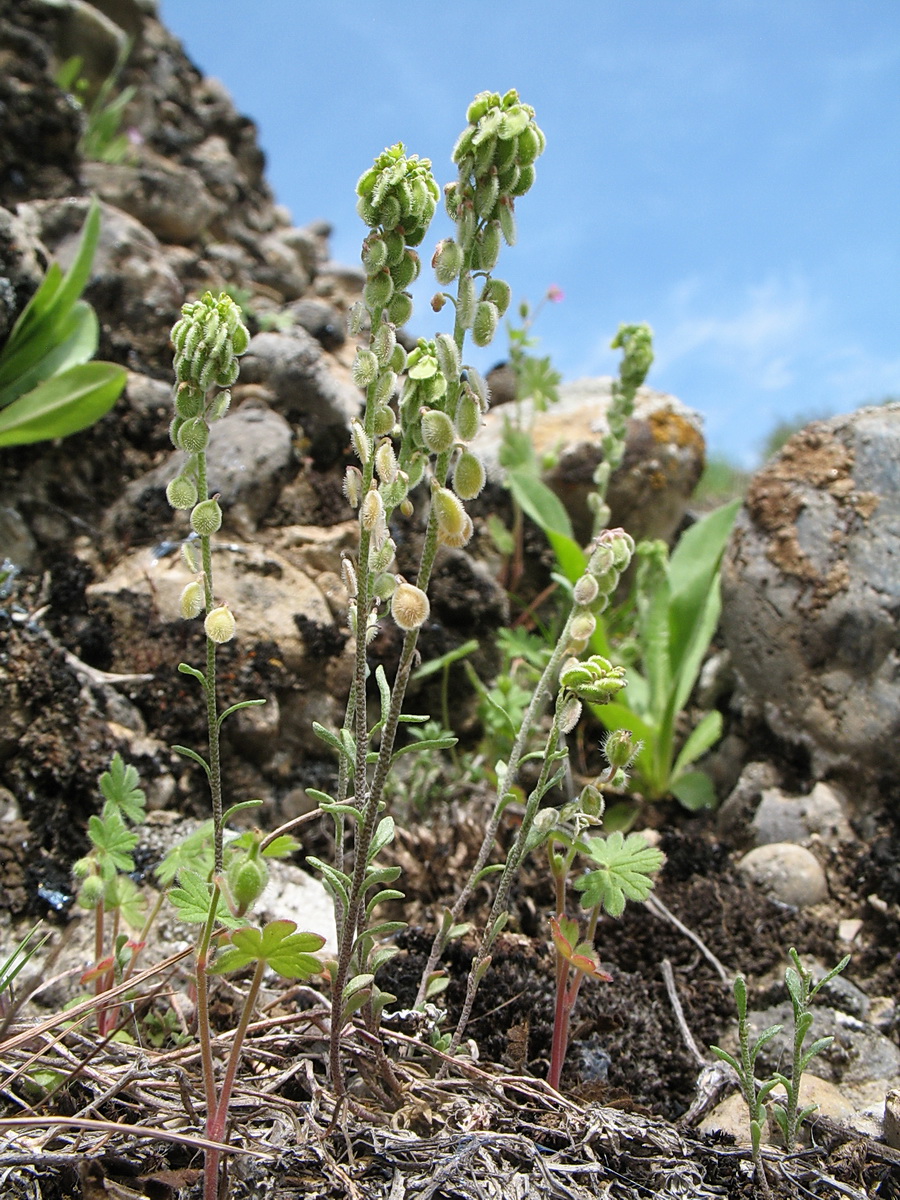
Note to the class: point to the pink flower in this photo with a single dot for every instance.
(555, 294)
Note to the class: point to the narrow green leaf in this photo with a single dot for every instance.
(236, 707)
(241, 806)
(539, 503)
(437, 743)
(187, 752)
(694, 790)
(185, 669)
(439, 664)
(704, 735)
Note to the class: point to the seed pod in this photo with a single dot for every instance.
(226, 374)
(191, 602)
(399, 310)
(468, 417)
(490, 245)
(523, 183)
(175, 430)
(189, 556)
(381, 558)
(353, 485)
(465, 301)
(220, 405)
(194, 435)
(486, 192)
(447, 354)
(374, 255)
(91, 892)
(409, 606)
(385, 420)
(507, 222)
(447, 261)
(406, 270)
(498, 292)
(484, 326)
(570, 714)
(188, 401)
(586, 590)
(219, 624)
(583, 626)
(438, 433)
(620, 749)
(468, 476)
(449, 511)
(365, 368)
(528, 145)
(371, 511)
(460, 538)
(247, 879)
(479, 387)
(378, 291)
(206, 518)
(348, 575)
(386, 462)
(361, 443)
(355, 318)
(182, 492)
(399, 356)
(383, 343)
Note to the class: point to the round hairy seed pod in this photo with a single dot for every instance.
(182, 492)
(583, 626)
(468, 476)
(189, 556)
(365, 368)
(449, 512)
(468, 417)
(384, 420)
(409, 606)
(447, 261)
(586, 590)
(361, 443)
(465, 301)
(371, 510)
(507, 222)
(484, 325)
(447, 354)
(219, 624)
(386, 462)
(188, 401)
(206, 518)
(191, 602)
(220, 405)
(383, 343)
(461, 537)
(406, 270)
(353, 485)
(438, 433)
(399, 310)
(194, 435)
(378, 291)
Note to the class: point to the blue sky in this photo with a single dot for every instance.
(726, 170)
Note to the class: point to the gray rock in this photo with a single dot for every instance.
(788, 873)
(171, 200)
(326, 324)
(249, 455)
(784, 818)
(736, 811)
(664, 455)
(306, 386)
(17, 546)
(811, 592)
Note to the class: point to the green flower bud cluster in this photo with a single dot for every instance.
(637, 343)
(595, 680)
(397, 199)
(208, 340)
(495, 153)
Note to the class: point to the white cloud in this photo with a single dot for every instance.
(760, 335)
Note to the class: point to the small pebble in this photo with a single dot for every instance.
(786, 872)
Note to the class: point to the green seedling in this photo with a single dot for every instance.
(48, 388)
(101, 139)
(788, 1116)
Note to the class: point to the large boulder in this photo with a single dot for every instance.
(664, 455)
(811, 590)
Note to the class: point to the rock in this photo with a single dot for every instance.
(17, 546)
(305, 385)
(892, 1118)
(783, 818)
(811, 591)
(731, 1116)
(325, 323)
(735, 813)
(664, 455)
(788, 873)
(860, 1060)
(171, 200)
(84, 30)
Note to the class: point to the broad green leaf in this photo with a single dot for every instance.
(624, 869)
(694, 790)
(694, 651)
(193, 897)
(120, 786)
(75, 342)
(62, 405)
(570, 556)
(704, 735)
(693, 567)
(112, 840)
(539, 503)
(278, 945)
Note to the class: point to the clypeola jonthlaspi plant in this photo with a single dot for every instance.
(788, 1115)
(48, 387)
(213, 890)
